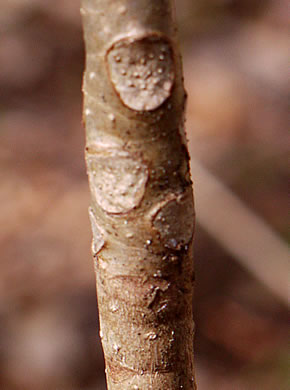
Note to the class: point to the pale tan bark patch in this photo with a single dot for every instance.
(174, 221)
(117, 180)
(142, 71)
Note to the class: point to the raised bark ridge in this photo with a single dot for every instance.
(142, 211)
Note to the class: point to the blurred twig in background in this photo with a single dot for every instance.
(241, 232)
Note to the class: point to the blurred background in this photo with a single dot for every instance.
(235, 64)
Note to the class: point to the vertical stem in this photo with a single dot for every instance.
(142, 212)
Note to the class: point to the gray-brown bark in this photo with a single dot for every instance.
(142, 211)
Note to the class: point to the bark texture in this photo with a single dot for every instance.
(142, 212)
